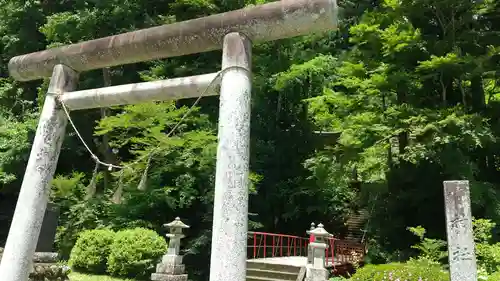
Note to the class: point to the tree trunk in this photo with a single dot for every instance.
(478, 98)
(403, 136)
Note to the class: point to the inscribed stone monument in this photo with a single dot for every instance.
(48, 230)
(461, 257)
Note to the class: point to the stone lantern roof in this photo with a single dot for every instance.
(176, 224)
(320, 231)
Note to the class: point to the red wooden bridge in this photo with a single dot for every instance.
(272, 254)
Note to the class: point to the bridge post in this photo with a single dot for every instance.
(316, 270)
(311, 239)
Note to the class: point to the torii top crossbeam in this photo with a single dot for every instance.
(272, 21)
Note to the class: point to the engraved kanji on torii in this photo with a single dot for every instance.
(233, 32)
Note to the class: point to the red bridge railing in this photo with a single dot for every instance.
(266, 245)
(344, 251)
(269, 245)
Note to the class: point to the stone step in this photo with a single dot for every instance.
(271, 274)
(354, 236)
(168, 277)
(272, 267)
(251, 278)
(40, 257)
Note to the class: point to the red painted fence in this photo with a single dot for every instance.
(269, 245)
(266, 245)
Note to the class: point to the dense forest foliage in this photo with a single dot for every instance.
(375, 115)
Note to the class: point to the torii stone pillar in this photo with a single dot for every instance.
(34, 194)
(230, 224)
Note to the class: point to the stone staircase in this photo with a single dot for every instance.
(356, 224)
(260, 271)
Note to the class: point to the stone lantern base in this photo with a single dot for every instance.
(170, 269)
(316, 274)
(168, 277)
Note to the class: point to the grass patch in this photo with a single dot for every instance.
(85, 277)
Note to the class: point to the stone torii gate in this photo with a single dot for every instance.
(233, 32)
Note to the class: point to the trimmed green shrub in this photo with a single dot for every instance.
(91, 250)
(494, 277)
(488, 256)
(401, 271)
(135, 252)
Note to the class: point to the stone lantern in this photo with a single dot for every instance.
(315, 269)
(171, 268)
(175, 236)
(313, 226)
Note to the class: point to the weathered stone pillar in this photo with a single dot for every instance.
(316, 271)
(171, 268)
(230, 225)
(34, 194)
(461, 254)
